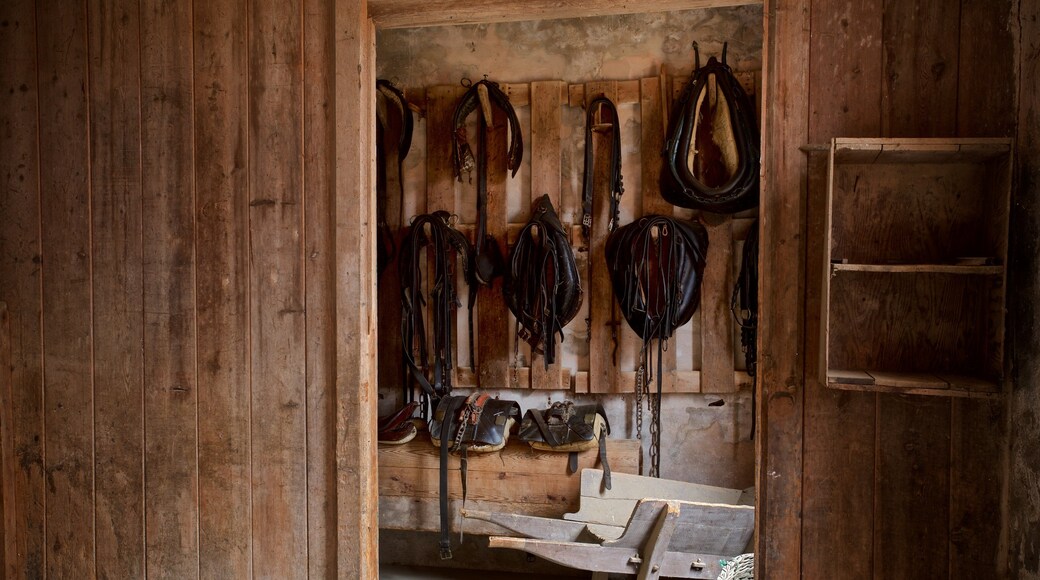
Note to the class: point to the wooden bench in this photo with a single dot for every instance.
(516, 479)
(638, 527)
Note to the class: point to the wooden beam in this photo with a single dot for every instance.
(418, 13)
(781, 290)
(356, 501)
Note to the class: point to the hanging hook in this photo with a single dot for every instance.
(725, 45)
(466, 82)
(696, 56)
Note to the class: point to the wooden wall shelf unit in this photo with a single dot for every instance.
(914, 266)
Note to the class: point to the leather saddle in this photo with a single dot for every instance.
(542, 287)
(568, 428)
(463, 424)
(711, 156)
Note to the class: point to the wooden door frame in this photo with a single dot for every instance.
(778, 465)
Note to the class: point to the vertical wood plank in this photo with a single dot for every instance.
(913, 488)
(985, 98)
(653, 125)
(171, 469)
(838, 485)
(976, 483)
(717, 362)
(603, 374)
(493, 315)
(115, 152)
(278, 293)
(20, 284)
(920, 68)
(546, 116)
(356, 391)
(222, 254)
(319, 242)
(8, 549)
(781, 291)
(67, 347)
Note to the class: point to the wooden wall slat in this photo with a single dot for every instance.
(912, 488)
(20, 280)
(319, 213)
(8, 522)
(602, 370)
(838, 485)
(976, 481)
(717, 347)
(115, 148)
(171, 468)
(356, 391)
(277, 290)
(67, 346)
(493, 328)
(782, 291)
(546, 117)
(222, 253)
(920, 68)
(985, 94)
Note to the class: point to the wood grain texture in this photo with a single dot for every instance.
(356, 374)
(277, 291)
(985, 98)
(546, 113)
(976, 478)
(20, 284)
(67, 344)
(319, 174)
(171, 398)
(717, 345)
(222, 289)
(117, 246)
(493, 327)
(515, 456)
(8, 523)
(919, 83)
(602, 365)
(415, 13)
(781, 291)
(912, 488)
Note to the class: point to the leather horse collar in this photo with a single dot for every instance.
(711, 156)
(393, 141)
(542, 289)
(487, 254)
(444, 242)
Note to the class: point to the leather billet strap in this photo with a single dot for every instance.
(688, 188)
(448, 424)
(487, 254)
(393, 140)
(744, 306)
(542, 286)
(443, 242)
(604, 107)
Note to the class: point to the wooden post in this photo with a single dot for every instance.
(356, 500)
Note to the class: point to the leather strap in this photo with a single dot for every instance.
(393, 141)
(598, 105)
(448, 424)
(603, 460)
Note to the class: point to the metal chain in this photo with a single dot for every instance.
(639, 413)
(654, 402)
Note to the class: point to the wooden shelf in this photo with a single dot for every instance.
(866, 151)
(933, 384)
(920, 269)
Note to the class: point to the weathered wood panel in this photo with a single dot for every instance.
(222, 254)
(319, 174)
(8, 523)
(356, 393)
(717, 344)
(277, 290)
(67, 345)
(117, 246)
(20, 285)
(546, 112)
(171, 398)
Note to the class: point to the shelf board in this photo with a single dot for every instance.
(866, 151)
(934, 384)
(920, 269)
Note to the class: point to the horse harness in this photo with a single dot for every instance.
(393, 140)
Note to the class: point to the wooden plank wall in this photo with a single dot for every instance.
(540, 105)
(168, 266)
(889, 486)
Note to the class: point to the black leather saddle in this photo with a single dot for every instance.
(711, 156)
(542, 288)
